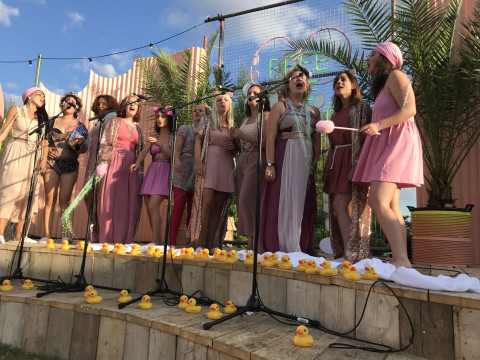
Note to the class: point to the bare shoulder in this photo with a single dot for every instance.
(397, 78)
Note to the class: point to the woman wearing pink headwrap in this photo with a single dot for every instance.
(17, 164)
(392, 160)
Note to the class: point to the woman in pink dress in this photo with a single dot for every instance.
(349, 215)
(120, 202)
(215, 181)
(392, 160)
(183, 178)
(247, 160)
(156, 184)
(288, 205)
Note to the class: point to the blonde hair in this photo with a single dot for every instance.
(214, 119)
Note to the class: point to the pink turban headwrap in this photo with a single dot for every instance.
(29, 92)
(391, 52)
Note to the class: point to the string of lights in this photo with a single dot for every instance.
(90, 58)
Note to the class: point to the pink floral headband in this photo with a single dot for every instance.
(157, 110)
(229, 93)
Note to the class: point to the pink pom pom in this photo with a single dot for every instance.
(102, 169)
(325, 126)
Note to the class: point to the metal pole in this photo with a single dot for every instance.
(37, 75)
(220, 42)
(393, 17)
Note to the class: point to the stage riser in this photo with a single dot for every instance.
(446, 324)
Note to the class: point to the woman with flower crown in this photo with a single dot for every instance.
(288, 206)
(156, 185)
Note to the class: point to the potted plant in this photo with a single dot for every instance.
(442, 59)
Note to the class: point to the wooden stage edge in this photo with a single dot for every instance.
(446, 325)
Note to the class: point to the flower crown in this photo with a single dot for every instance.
(229, 93)
(157, 110)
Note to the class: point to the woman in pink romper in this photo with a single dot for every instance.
(391, 160)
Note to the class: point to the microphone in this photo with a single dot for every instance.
(307, 73)
(70, 104)
(226, 89)
(140, 96)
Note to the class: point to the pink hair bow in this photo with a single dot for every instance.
(157, 110)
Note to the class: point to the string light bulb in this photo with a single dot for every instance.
(30, 62)
(90, 59)
(151, 45)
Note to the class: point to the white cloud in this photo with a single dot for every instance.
(107, 70)
(39, 2)
(17, 99)
(10, 85)
(76, 20)
(6, 12)
(123, 61)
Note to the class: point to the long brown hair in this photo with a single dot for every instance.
(122, 112)
(381, 72)
(112, 103)
(355, 97)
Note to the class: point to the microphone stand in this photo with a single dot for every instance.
(81, 282)
(162, 287)
(18, 272)
(254, 303)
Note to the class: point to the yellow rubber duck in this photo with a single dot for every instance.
(171, 253)
(214, 313)
(276, 259)
(93, 298)
(182, 253)
(232, 257)
(345, 266)
(183, 303)
(158, 253)
(267, 260)
(370, 274)
(121, 250)
(302, 265)
(105, 249)
(189, 254)
(81, 246)
(151, 250)
(192, 307)
(50, 244)
(223, 256)
(302, 338)
(124, 297)
(285, 263)
(6, 286)
(27, 285)
(87, 290)
(135, 250)
(65, 245)
(312, 268)
(206, 255)
(115, 248)
(352, 274)
(327, 269)
(249, 259)
(199, 254)
(230, 308)
(216, 253)
(146, 303)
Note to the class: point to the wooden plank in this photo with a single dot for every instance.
(40, 264)
(124, 274)
(62, 266)
(337, 308)
(193, 278)
(413, 308)
(111, 339)
(34, 329)
(213, 354)
(145, 277)
(84, 336)
(103, 271)
(437, 331)
(12, 324)
(344, 354)
(217, 284)
(239, 287)
(6, 260)
(137, 338)
(303, 299)
(466, 335)
(273, 292)
(162, 345)
(77, 262)
(188, 350)
(59, 333)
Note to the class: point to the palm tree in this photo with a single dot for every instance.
(442, 58)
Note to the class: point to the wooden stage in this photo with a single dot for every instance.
(446, 325)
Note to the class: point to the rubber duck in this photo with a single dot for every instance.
(192, 308)
(312, 267)
(6, 286)
(345, 266)
(65, 245)
(302, 265)
(151, 250)
(370, 273)
(158, 253)
(206, 255)
(230, 308)
(182, 305)
(81, 246)
(352, 274)
(302, 338)
(121, 250)
(105, 249)
(171, 253)
(223, 256)
(135, 250)
(50, 244)
(124, 297)
(87, 290)
(182, 253)
(216, 253)
(27, 285)
(249, 259)
(232, 257)
(285, 263)
(327, 269)
(276, 259)
(189, 254)
(145, 304)
(93, 298)
(199, 254)
(214, 313)
(267, 260)
(115, 248)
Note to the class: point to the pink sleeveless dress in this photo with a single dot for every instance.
(395, 156)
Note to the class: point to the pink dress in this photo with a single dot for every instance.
(157, 178)
(395, 156)
(219, 170)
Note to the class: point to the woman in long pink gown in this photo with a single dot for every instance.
(392, 160)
